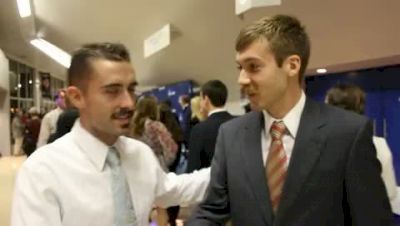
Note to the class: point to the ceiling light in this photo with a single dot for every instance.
(321, 71)
(52, 51)
(24, 8)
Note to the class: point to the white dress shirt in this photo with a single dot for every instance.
(66, 183)
(216, 111)
(291, 121)
(48, 126)
(384, 155)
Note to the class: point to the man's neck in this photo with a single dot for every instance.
(105, 138)
(286, 104)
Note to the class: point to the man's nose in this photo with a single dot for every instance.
(128, 100)
(243, 78)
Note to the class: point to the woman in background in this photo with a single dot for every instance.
(170, 121)
(148, 128)
(197, 115)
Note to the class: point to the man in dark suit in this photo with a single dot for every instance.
(294, 162)
(203, 136)
(184, 116)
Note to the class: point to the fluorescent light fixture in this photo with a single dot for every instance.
(52, 51)
(321, 70)
(24, 8)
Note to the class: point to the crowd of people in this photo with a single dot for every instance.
(31, 129)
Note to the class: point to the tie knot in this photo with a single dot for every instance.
(113, 157)
(278, 129)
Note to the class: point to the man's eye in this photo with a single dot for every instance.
(254, 67)
(112, 90)
(239, 67)
(132, 91)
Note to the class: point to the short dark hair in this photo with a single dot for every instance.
(285, 34)
(347, 96)
(185, 99)
(80, 68)
(216, 91)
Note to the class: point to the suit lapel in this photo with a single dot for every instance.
(306, 152)
(253, 163)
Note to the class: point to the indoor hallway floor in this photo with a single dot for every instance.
(9, 166)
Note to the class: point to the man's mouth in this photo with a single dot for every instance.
(123, 115)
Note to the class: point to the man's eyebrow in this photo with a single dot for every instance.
(248, 59)
(112, 85)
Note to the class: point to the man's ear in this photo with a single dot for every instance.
(75, 95)
(292, 65)
(207, 101)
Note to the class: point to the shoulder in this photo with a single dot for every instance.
(48, 158)
(240, 121)
(338, 125)
(203, 125)
(340, 117)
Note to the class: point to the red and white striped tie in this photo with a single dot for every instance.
(276, 164)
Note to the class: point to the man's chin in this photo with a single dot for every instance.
(125, 129)
(255, 106)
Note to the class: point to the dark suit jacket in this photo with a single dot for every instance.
(184, 121)
(333, 176)
(202, 140)
(65, 122)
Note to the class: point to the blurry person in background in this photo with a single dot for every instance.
(184, 115)
(64, 124)
(65, 121)
(148, 128)
(352, 98)
(95, 175)
(197, 115)
(169, 119)
(17, 129)
(49, 121)
(32, 131)
(213, 96)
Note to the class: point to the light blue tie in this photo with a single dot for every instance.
(124, 213)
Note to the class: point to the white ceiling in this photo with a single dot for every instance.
(344, 34)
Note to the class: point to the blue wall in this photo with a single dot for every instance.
(172, 92)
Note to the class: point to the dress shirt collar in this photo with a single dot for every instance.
(92, 147)
(291, 119)
(216, 110)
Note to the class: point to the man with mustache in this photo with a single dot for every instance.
(94, 175)
(292, 161)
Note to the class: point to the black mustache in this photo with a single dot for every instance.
(123, 113)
